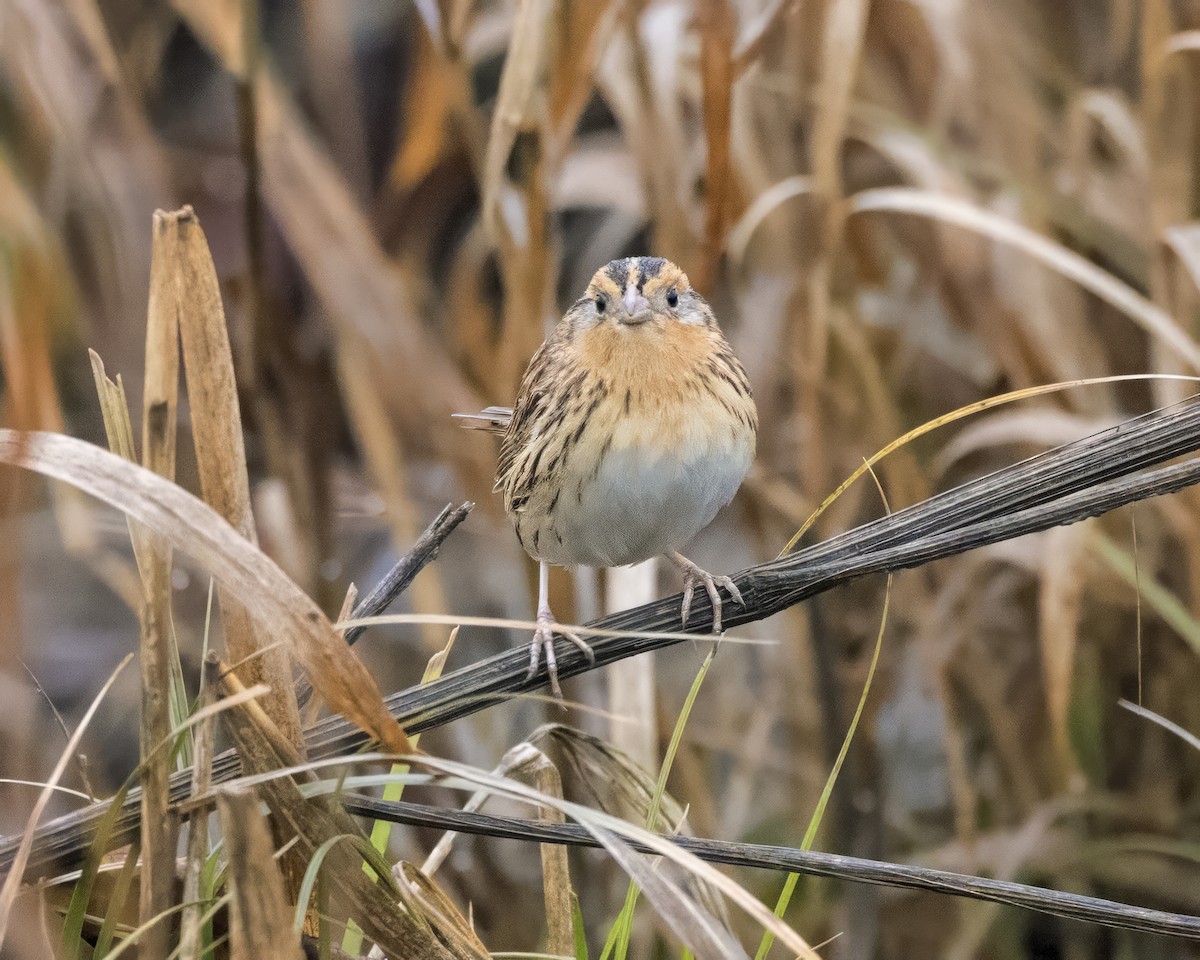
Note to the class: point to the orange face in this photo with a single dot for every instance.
(654, 343)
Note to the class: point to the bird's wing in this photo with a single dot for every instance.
(528, 428)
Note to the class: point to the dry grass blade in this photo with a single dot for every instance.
(160, 396)
(220, 449)
(841, 49)
(160, 400)
(523, 70)
(12, 882)
(583, 28)
(156, 882)
(260, 922)
(432, 901)
(246, 572)
(716, 23)
(197, 847)
(703, 933)
(1153, 319)
(556, 874)
(1185, 735)
(742, 232)
(114, 409)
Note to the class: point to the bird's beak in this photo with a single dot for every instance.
(637, 307)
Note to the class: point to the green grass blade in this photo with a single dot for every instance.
(81, 893)
(581, 948)
(117, 902)
(381, 830)
(623, 926)
(814, 823)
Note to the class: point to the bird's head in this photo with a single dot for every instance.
(641, 291)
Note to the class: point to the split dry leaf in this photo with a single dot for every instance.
(194, 295)
(536, 767)
(245, 571)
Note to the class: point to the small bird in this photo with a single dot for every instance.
(633, 426)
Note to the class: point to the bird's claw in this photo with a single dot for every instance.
(543, 640)
(693, 575)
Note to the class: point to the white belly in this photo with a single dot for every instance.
(641, 503)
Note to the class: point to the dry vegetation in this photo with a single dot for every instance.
(898, 207)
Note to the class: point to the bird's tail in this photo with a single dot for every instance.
(493, 419)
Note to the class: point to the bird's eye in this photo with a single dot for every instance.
(672, 298)
(601, 303)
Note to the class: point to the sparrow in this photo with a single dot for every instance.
(633, 425)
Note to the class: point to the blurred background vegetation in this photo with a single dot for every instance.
(401, 198)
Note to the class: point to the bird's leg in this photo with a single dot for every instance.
(693, 575)
(543, 636)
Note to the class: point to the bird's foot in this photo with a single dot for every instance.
(693, 576)
(543, 639)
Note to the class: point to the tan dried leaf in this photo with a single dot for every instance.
(269, 595)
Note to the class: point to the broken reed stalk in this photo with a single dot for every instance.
(1063, 485)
